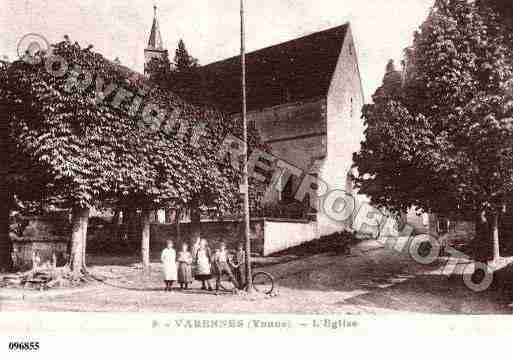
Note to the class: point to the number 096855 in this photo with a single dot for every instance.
(24, 346)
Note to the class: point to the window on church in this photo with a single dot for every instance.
(352, 107)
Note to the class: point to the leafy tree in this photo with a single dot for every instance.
(184, 80)
(181, 77)
(443, 142)
(21, 176)
(159, 70)
(183, 61)
(87, 149)
(5, 242)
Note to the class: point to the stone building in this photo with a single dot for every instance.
(305, 97)
(155, 48)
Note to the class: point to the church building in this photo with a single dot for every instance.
(304, 96)
(155, 48)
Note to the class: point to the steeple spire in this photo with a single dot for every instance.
(155, 48)
(155, 42)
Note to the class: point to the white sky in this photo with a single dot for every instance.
(210, 28)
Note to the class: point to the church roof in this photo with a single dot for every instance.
(296, 70)
(155, 41)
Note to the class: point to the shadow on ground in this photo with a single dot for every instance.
(386, 280)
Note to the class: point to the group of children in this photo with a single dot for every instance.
(200, 264)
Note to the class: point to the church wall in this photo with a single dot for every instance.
(296, 133)
(345, 129)
(290, 121)
(300, 152)
(154, 54)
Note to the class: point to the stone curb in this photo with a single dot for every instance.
(20, 294)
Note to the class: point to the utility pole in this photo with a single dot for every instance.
(245, 182)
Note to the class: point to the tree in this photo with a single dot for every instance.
(443, 143)
(159, 69)
(22, 178)
(93, 152)
(76, 143)
(5, 242)
(220, 186)
(183, 61)
(182, 77)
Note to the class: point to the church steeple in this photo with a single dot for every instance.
(155, 48)
(155, 41)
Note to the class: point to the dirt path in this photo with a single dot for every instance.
(372, 280)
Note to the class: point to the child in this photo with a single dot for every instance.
(168, 259)
(239, 265)
(184, 267)
(222, 266)
(203, 267)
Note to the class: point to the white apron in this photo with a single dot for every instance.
(169, 261)
(203, 263)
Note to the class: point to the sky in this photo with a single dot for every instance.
(210, 28)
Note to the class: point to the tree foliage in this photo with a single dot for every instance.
(93, 150)
(183, 61)
(180, 77)
(441, 139)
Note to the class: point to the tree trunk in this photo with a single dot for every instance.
(115, 225)
(195, 221)
(5, 241)
(85, 224)
(5, 195)
(494, 234)
(145, 243)
(132, 227)
(178, 218)
(79, 218)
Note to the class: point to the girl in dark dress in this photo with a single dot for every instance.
(184, 267)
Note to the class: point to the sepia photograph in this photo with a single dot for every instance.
(255, 165)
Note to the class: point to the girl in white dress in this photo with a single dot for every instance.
(203, 259)
(168, 259)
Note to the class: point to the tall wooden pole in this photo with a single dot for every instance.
(245, 182)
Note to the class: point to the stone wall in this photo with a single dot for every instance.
(422, 223)
(231, 232)
(345, 129)
(282, 235)
(296, 134)
(267, 236)
(41, 237)
(454, 232)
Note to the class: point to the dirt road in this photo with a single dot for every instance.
(372, 280)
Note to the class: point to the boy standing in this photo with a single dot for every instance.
(239, 264)
(222, 266)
